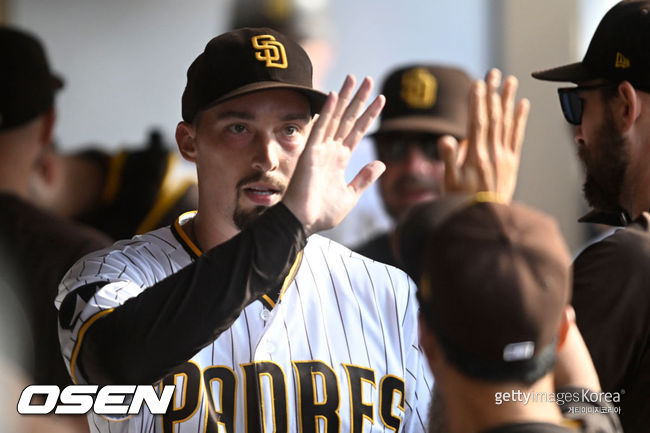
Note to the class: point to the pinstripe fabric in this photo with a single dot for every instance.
(341, 308)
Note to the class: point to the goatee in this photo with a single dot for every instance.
(243, 218)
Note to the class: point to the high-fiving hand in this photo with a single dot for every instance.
(488, 159)
(318, 194)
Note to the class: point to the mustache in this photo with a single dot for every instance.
(410, 181)
(265, 178)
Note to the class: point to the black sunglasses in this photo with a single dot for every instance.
(572, 104)
(396, 148)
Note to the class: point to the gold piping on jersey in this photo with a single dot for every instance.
(287, 280)
(113, 177)
(188, 242)
(196, 250)
(169, 192)
(80, 337)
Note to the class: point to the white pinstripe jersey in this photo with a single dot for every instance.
(339, 351)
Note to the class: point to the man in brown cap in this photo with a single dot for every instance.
(423, 103)
(255, 321)
(495, 321)
(40, 247)
(610, 110)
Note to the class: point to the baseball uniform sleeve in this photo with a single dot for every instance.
(147, 335)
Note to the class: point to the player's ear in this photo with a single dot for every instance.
(186, 140)
(631, 107)
(47, 126)
(568, 318)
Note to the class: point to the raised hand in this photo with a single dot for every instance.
(318, 194)
(488, 160)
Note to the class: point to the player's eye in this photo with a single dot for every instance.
(237, 128)
(291, 130)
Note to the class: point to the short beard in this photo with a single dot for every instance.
(243, 218)
(605, 175)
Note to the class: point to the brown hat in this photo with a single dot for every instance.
(426, 98)
(27, 85)
(618, 49)
(495, 281)
(244, 61)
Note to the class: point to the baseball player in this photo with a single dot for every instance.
(423, 102)
(608, 109)
(259, 323)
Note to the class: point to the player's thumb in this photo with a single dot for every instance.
(448, 150)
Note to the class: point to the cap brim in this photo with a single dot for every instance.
(574, 73)
(57, 82)
(424, 124)
(316, 98)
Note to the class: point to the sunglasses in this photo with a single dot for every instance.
(396, 148)
(572, 104)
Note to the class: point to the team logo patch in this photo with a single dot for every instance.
(622, 61)
(269, 50)
(419, 88)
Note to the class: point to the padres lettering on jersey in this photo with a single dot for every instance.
(338, 352)
(318, 390)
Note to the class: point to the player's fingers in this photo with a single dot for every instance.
(317, 133)
(494, 110)
(344, 97)
(461, 152)
(508, 92)
(366, 177)
(494, 143)
(353, 110)
(363, 123)
(448, 150)
(477, 122)
(521, 118)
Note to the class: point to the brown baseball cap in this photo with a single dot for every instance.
(495, 281)
(27, 85)
(618, 50)
(426, 98)
(244, 61)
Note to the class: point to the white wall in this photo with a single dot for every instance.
(125, 61)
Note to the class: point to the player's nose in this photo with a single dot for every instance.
(265, 156)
